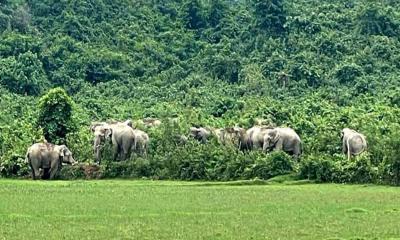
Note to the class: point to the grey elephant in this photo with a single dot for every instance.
(353, 143)
(180, 139)
(230, 135)
(101, 132)
(148, 122)
(201, 134)
(282, 139)
(141, 142)
(121, 135)
(49, 158)
(255, 137)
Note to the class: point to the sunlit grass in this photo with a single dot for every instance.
(122, 209)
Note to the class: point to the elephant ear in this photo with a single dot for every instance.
(341, 135)
(108, 132)
(95, 125)
(129, 123)
(275, 135)
(92, 128)
(61, 150)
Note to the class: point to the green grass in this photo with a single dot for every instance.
(122, 209)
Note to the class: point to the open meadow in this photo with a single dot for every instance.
(122, 209)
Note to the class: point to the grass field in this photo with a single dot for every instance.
(122, 209)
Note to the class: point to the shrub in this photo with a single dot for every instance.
(347, 73)
(55, 115)
(318, 168)
(71, 173)
(15, 166)
(271, 165)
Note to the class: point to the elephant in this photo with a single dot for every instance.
(102, 132)
(353, 143)
(149, 122)
(180, 139)
(282, 139)
(260, 122)
(141, 142)
(49, 158)
(229, 135)
(121, 135)
(201, 134)
(254, 137)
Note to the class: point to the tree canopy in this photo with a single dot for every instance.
(316, 66)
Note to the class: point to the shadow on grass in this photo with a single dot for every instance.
(289, 179)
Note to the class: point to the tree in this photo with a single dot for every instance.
(24, 74)
(372, 21)
(270, 16)
(217, 12)
(55, 115)
(21, 18)
(194, 16)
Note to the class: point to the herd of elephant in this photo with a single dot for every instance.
(126, 138)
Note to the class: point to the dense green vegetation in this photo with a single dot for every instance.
(172, 210)
(314, 66)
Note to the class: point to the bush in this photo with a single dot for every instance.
(359, 170)
(347, 73)
(15, 166)
(318, 168)
(271, 165)
(55, 115)
(338, 169)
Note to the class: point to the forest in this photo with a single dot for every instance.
(314, 66)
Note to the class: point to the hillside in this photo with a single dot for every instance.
(316, 66)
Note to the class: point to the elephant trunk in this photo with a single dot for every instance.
(96, 147)
(73, 161)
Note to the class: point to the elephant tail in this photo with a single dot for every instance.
(135, 143)
(348, 149)
(27, 157)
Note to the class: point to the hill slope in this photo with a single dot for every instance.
(314, 66)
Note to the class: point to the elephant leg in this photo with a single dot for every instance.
(145, 150)
(98, 156)
(297, 151)
(124, 154)
(344, 147)
(35, 173)
(126, 150)
(55, 166)
(278, 145)
(116, 152)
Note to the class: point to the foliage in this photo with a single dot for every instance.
(24, 74)
(314, 66)
(377, 21)
(55, 115)
(270, 16)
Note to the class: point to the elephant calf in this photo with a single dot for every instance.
(353, 143)
(140, 142)
(48, 157)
